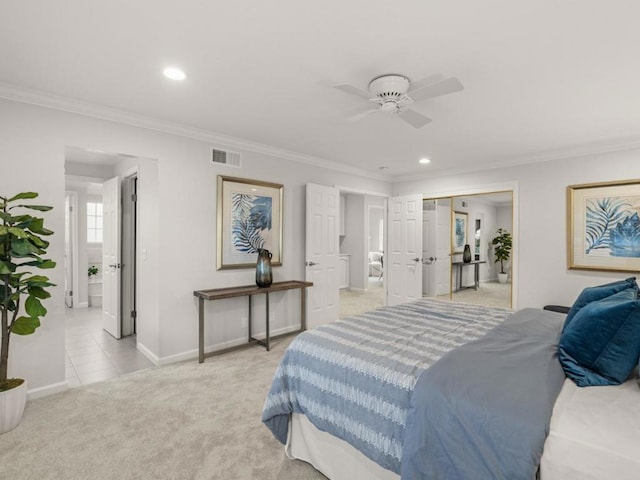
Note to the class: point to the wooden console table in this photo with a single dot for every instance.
(250, 291)
(476, 274)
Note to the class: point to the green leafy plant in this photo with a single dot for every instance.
(21, 249)
(93, 270)
(502, 244)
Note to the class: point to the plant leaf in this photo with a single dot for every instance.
(7, 217)
(25, 325)
(17, 232)
(34, 307)
(23, 195)
(23, 247)
(41, 208)
(7, 267)
(39, 292)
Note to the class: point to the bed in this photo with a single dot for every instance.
(373, 397)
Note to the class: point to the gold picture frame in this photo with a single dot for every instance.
(603, 226)
(249, 216)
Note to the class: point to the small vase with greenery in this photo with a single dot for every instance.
(21, 250)
(502, 244)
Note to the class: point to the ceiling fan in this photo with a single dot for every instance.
(393, 93)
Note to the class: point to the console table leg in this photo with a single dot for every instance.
(303, 309)
(267, 340)
(200, 330)
(249, 319)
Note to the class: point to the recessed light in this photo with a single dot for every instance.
(174, 73)
(424, 160)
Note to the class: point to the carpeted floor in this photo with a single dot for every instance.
(182, 421)
(353, 302)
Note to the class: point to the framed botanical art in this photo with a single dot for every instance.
(459, 231)
(603, 226)
(249, 219)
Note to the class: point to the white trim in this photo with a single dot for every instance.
(616, 144)
(82, 305)
(56, 102)
(152, 357)
(193, 354)
(47, 390)
(42, 99)
(75, 272)
(359, 191)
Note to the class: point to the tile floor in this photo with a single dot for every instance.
(92, 355)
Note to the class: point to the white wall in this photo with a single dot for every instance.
(540, 242)
(181, 253)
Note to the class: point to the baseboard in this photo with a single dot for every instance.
(81, 305)
(47, 390)
(193, 354)
(361, 290)
(152, 357)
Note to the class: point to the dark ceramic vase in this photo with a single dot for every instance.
(264, 276)
(466, 254)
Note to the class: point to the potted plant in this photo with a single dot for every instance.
(502, 248)
(21, 250)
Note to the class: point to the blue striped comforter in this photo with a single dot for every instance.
(354, 378)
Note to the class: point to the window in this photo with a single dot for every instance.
(94, 222)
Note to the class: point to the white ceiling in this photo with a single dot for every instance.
(542, 78)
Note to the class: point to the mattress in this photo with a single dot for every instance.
(594, 434)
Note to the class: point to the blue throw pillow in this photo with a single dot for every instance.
(602, 343)
(592, 294)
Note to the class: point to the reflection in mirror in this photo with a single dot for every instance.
(445, 273)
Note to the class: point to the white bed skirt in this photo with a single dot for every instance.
(331, 456)
(594, 435)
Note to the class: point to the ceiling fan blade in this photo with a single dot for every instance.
(414, 118)
(361, 115)
(345, 87)
(449, 85)
(425, 82)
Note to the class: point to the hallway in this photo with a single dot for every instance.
(92, 355)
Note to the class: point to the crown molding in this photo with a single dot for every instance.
(57, 102)
(610, 145)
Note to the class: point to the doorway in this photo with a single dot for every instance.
(93, 353)
(361, 244)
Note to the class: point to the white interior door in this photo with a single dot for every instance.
(443, 248)
(322, 254)
(404, 267)
(111, 265)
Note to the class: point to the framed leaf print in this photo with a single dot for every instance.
(603, 227)
(459, 233)
(249, 219)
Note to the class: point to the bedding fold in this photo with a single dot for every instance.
(483, 410)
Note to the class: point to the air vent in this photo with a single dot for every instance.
(224, 157)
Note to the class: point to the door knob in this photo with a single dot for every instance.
(310, 264)
(416, 259)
